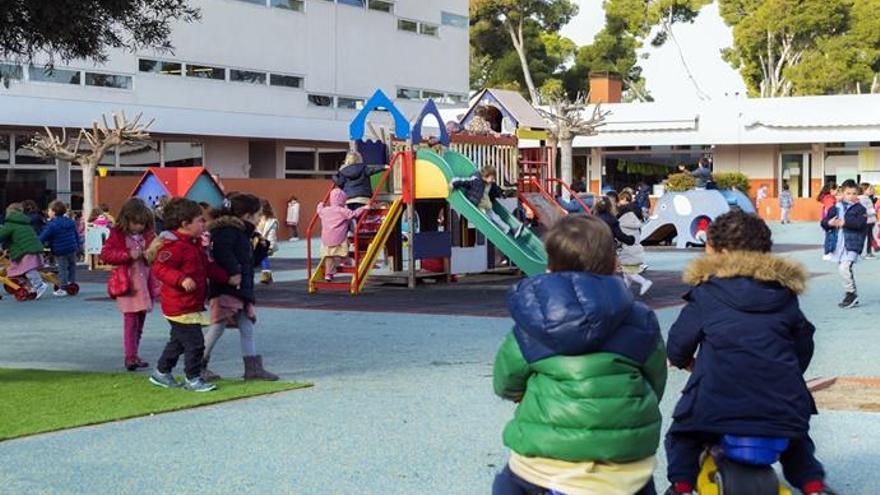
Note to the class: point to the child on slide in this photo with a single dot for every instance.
(481, 190)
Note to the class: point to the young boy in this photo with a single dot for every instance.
(849, 219)
(587, 364)
(482, 190)
(785, 203)
(754, 346)
(63, 239)
(182, 265)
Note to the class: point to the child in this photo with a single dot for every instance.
(831, 235)
(754, 345)
(586, 363)
(126, 248)
(25, 249)
(335, 219)
(293, 218)
(848, 219)
(63, 239)
(98, 218)
(354, 179)
(605, 210)
(182, 266)
(867, 199)
(482, 191)
(632, 257)
(268, 230)
(785, 202)
(32, 211)
(231, 248)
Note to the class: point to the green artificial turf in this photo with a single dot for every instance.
(37, 401)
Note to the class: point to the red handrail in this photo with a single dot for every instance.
(543, 192)
(571, 191)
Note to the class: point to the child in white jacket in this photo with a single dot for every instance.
(632, 258)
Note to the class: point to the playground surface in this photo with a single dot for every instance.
(402, 401)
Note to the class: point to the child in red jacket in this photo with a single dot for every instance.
(182, 265)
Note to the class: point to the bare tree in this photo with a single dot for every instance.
(90, 147)
(568, 119)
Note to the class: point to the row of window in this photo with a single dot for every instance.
(66, 76)
(302, 163)
(201, 71)
(428, 94)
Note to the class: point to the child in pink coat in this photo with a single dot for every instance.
(335, 220)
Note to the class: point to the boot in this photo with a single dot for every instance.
(253, 369)
(266, 277)
(208, 375)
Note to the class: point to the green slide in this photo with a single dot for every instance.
(526, 252)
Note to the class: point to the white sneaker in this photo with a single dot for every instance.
(646, 287)
(643, 267)
(41, 290)
(60, 293)
(826, 257)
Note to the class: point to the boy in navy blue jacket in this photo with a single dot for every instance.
(754, 346)
(848, 218)
(63, 239)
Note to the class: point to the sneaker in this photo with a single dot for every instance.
(646, 287)
(164, 380)
(328, 278)
(60, 293)
(850, 301)
(198, 385)
(643, 268)
(41, 290)
(519, 230)
(870, 257)
(826, 257)
(817, 488)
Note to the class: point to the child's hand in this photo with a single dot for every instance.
(234, 280)
(188, 284)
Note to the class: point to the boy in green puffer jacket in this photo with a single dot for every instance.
(587, 364)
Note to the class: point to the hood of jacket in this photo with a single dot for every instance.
(567, 313)
(227, 221)
(19, 218)
(338, 197)
(748, 281)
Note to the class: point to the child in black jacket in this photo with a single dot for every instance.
(482, 191)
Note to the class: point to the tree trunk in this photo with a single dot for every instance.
(88, 176)
(567, 162)
(516, 37)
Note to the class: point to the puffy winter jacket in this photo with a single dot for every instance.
(754, 346)
(855, 219)
(20, 236)
(633, 254)
(232, 250)
(354, 179)
(181, 257)
(614, 225)
(61, 235)
(474, 187)
(589, 365)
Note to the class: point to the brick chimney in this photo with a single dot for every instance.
(605, 87)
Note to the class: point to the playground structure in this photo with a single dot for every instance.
(17, 286)
(426, 230)
(685, 216)
(193, 183)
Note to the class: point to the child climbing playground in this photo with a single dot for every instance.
(481, 190)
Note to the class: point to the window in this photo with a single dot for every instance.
(140, 154)
(356, 3)
(108, 80)
(19, 185)
(382, 5)
(10, 71)
(350, 103)
(287, 81)
(257, 2)
(61, 76)
(454, 20)
(24, 156)
(299, 161)
(4, 148)
(160, 67)
(428, 29)
(296, 5)
(455, 98)
(432, 95)
(796, 173)
(410, 26)
(330, 160)
(321, 100)
(247, 76)
(408, 94)
(205, 72)
(178, 154)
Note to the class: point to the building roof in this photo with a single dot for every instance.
(811, 119)
(177, 181)
(513, 103)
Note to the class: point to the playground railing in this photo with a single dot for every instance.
(571, 193)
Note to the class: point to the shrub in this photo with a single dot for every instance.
(732, 180)
(680, 182)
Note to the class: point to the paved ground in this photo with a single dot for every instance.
(402, 402)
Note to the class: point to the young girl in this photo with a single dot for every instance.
(25, 249)
(354, 179)
(98, 218)
(293, 218)
(268, 230)
(231, 234)
(125, 248)
(335, 219)
(632, 257)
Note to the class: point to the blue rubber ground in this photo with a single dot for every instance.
(402, 403)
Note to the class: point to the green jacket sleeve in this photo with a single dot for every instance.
(511, 370)
(4, 232)
(654, 369)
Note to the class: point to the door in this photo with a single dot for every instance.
(795, 171)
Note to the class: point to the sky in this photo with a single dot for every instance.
(701, 44)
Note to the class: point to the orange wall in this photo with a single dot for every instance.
(804, 210)
(594, 187)
(115, 190)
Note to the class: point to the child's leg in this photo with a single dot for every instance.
(246, 331)
(173, 349)
(638, 279)
(507, 483)
(627, 279)
(868, 245)
(265, 265)
(34, 279)
(683, 456)
(846, 273)
(193, 343)
(71, 269)
(497, 220)
(213, 334)
(63, 270)
(799, 463)
(331, 264)
(830, 240)
(295, 231)
(130, 338)
(142, 319)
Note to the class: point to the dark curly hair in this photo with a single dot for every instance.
(740, 231)
(179, 211)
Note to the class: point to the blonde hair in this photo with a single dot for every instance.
(351, 158)
(487, 170)
(14, 208)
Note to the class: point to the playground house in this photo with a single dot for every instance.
(193, 183)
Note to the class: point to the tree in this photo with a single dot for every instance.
(85, 29)
(98, 140)
(522, 21)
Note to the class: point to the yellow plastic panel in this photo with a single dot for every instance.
(430, 181)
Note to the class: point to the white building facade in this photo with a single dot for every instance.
(257, 88)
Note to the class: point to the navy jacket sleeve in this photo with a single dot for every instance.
(620, 236)
(856, 218)
(802, 333)
(338, 179)
(223, 249)
(830, 215)
(685, 335)
(48, 232)
(495, 192)
(375, 169)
